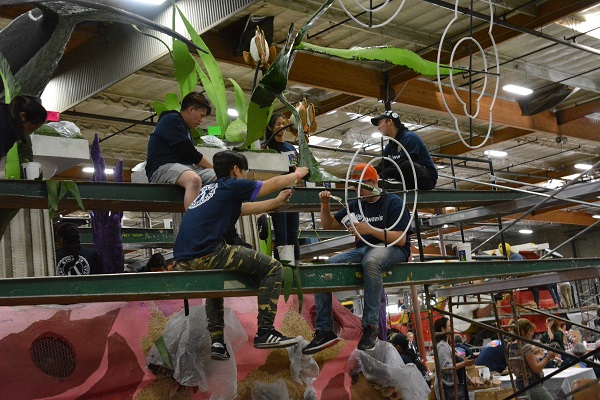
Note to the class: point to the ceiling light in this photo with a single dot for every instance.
(583, 166)
(151, 2)
(525, 231)
(376, 135)
(517, 90)
(232, 112)
(90, 170)
(495, 153)
(596, 216)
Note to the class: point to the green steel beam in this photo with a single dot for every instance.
(169, 198)
(202, 284)
(136, 238)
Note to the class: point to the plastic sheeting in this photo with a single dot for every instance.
(270, 391)
(384, 366)
(188, 343)
(304, 369)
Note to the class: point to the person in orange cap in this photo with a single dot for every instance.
(381, 212)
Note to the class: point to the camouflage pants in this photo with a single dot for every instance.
(247, 261)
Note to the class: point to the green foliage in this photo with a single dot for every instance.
(241, 105)
(291, 276)
(11, 86)
(185, 68)
(57, 190)
(391, 55)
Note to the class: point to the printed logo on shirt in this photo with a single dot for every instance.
(66, 267)
(375, 219)
(206, 193)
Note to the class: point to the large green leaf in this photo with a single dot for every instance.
(185, 68)
(74, 190)
(159, 108)
(391, 55)
(288, 281)
(214, 73)
(53, 188)
(241, 105)
(298, 281)
(11, 87)
(172, 102)
(13, 165)
(161, 346)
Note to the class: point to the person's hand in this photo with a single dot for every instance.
(284, 196)
(361, 227)
(324, 197)
(302, 171)
(469, 361)
(474, 382)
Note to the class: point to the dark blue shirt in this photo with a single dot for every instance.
(391, 208)
(212, 215)
(492, 356)
(288, 149)
(88, 263)
(169, 132)
(416, 149)
(8, 136)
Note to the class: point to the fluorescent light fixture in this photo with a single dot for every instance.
(495, 153)
(517, 90)
(583, 166)
(376, 135)
(151, 2)
(596, 216)
(525, 231)
(232, 112)
(90, 170)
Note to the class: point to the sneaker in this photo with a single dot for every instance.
(321, 341)
(271, 339)
(218, 351)
(368, 339)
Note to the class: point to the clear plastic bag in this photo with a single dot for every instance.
(188, 344)
(213, 141)
(385, 367)
(270, 391)
(66, 129)
(304, 369)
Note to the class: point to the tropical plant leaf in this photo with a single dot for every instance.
(13, 165)
(155, 37)
(241, 105)
(185, 68)
(391, 55)
(211, 92)
(214, 73)
(298, 281)
(159, 108)
(74, 190)
(161, 346)
(52, 187)
(11, 86)
(288, 281)
(172, 101)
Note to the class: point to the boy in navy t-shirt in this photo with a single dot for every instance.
(205, 242)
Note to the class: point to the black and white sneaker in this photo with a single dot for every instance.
(321, 341)
(271, 339)
(218, 351)
(368, 339)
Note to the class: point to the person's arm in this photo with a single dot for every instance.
(204, 163)
(259, 207)
(282, 181)
(538, 365)
(390, 236)
(327, 219)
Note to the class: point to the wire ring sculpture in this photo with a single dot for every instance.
(362, 214)
(370, 10)
(486, 73)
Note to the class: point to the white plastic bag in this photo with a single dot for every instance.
(270, 391)
(304, 369)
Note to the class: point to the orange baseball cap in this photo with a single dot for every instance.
(370, 174)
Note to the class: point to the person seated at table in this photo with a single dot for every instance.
(492, 356)
(540, 353)
(553, 333)
(400, 343)
(524, 363)
(580, 350)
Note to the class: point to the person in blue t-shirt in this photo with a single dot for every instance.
(172, 157)
(492, 356)
(389, 125)
(286, 225)
(388, 220)
(204, 243)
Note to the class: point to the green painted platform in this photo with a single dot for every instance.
(315, 278)
(169, 198)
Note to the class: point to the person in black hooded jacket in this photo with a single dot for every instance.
(18, 119)
(400, 343)
(72, 258)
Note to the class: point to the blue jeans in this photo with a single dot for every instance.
(373, 260)
(286, 227)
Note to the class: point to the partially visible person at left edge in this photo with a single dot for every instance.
(18, 119)
(172, 157)
(389, 125)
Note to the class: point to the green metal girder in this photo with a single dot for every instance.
(202, 284)
(169, 198)
(135, 237)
